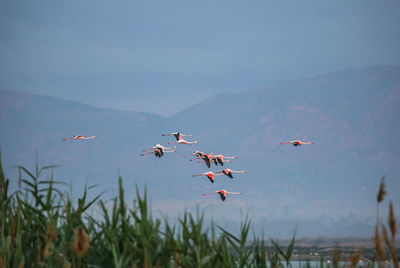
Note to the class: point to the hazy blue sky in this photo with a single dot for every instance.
(162, 56)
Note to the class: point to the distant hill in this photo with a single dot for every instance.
(32, 123)
(350, 115)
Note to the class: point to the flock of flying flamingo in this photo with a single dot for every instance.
(158, 150)
(208, 158)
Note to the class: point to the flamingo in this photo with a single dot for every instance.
(206, 158)
(198, 153)
(222, 194)
(228, 172)
(159, 146)
(80, 137)
(177, 135)
(210, 175)
(182, 141)
(158, 152)
(220, 159)
(296, 143)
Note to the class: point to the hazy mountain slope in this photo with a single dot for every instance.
(351, 116)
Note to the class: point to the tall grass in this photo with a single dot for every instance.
(41, 226)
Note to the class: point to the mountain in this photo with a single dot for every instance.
(350, 115)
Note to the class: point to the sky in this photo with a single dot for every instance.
(163, 56)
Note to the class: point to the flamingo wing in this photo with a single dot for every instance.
(207, 160)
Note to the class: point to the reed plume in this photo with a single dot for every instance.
(392, 220)
(81, 242)
(382, 191)
(51, 234)
(355, 257)
(46, 250)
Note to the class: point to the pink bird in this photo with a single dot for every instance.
(182, 141)
(210, 175)
(158, 152)
(206, 158)
(228, 172)
(198, 153)
(159, 146)
(220, 159)
(177, 135)
(222, 194)
(296, 143)
(80, 137)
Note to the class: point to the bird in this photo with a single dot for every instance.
(210, 175)
(177, 135)
(198, 153)
(80, 137)
(206, 158)
(158, 145)
(296, 143)
(158, 152)
(228, 172)
(182, 141)
(220, 159)
(222, 194)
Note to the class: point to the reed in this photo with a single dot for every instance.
(384, 236)
(41, 226)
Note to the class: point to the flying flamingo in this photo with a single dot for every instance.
(198, 153)
(296, 143)
(206, 158)
(177, 135)
(158, 152)
(159, 146)
(220, 159)
(80, 137)
(182, 141)
(210, 175)
(222, 194)
(228, 172)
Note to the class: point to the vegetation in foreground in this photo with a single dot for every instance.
(42, 227)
